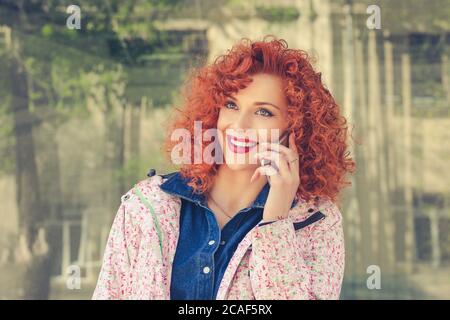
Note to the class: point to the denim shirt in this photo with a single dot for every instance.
(203, 250)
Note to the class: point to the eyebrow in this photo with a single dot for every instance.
(259, 103)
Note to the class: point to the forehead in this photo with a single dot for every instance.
(264, 87)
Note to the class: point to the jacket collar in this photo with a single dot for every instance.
(178, 186)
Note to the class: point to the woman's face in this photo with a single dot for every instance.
(261, 107)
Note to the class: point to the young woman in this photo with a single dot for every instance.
(233, 228)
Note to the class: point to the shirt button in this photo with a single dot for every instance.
(206, 270)
(211, 242)
(222, 242)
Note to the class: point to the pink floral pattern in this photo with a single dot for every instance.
(273, 261)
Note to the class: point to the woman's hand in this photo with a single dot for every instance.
(283, 183)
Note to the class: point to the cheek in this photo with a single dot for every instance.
(268, 124)
(267, 129)
(222, 124)
(224, 119)
(220, 119)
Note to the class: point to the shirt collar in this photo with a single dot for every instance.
(177, 185)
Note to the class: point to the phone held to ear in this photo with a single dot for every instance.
(284, 138)
(282, 141)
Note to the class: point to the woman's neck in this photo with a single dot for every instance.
(232, 189)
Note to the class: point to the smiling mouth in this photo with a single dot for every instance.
(240, 145)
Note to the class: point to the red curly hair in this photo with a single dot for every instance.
(314, 117)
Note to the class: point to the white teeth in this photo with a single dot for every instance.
(243, 144)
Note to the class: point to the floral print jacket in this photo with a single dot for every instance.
(300, 257)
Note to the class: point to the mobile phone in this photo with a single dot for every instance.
(284, 137)
(283, 141)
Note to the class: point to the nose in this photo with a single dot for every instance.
(242, 122)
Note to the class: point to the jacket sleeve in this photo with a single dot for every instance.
(302, 265)
(113, 281)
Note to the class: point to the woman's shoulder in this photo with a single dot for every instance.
(322, 210)
(331, 211)
(147, 194)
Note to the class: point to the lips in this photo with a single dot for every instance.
(240, 145)
(248, 140)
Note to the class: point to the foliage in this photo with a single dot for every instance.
(278, 14)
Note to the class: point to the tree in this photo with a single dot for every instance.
(106, 26)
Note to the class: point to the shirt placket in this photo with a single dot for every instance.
(207, 267)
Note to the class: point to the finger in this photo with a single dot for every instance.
(294, 165)
(268, 171)
(277, 158)
(289, 153)
(292, 144)
(255, 175)
(263, 171)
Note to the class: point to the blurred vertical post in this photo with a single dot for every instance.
(373, 127)
(350, 217)
(379, 128)
(33, 255)
(433, 215)
(407, 165)
(366, 161)
(364, 251)
(65, 263)
(445, 78)
(389, 142)
(390, 112)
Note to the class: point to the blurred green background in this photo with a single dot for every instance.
(82, 114)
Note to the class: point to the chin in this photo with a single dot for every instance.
(240, 167)
(233, 164)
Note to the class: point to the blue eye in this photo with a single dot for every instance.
(266, 113)
(228, 103)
